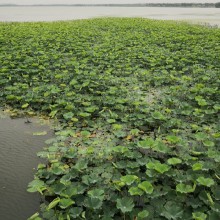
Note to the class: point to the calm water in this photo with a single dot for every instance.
(209, 15)
(18, 149)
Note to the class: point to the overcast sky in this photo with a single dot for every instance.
(29, 2)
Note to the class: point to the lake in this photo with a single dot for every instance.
(19, 144)
(54, 13)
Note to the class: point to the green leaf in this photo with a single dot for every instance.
(90, 109)
(128, 179)
(161, 168)
(205, 181)
(125, 204)
(84, 114)
(81, 164)
(135, 191)
(183, 188)
(214, 216)
(75, 212)
(146, 144)
(200, 136)
(58, 188)
(25, 105)
(35, 217)
(111, 121)
(146, 187)
(197, 166)
(36, 186)
(216, 192)
(173, 210)
(68, 115)
(53, 203)
(73, 82)
(142, 215)
(173, 139)
(174, 161)
(40, 133)
(158, 115)
(208, 143)
(159, 146)
(120, 149)
(97, 193)
(93, 203)
(65, 203)
(85, 133)
(199, 216)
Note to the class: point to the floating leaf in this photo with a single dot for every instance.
(183, 188)
(135, 191)
(25, 105)
(75, 212)
(93, 203)
(35, 217)
(205, 181)
(120, 149)
(200, 136)
(146, 144)
(173, 139)
(216, 192)
(158, 115)
(129, 179)
(90, 109)
(111, 121)
(40, 133)
(173, 210)
(142, 215)
(125, 204)
(161, 168)
(96, 193)
(68, 115)
(36, 186)
(146, 187)
(85, 133)
(197, 166)
(53, 203)
(174, 161)
(199, 216)
(65, 203)
(208, 143)
(81, 164)
(159, 146)
(84, 114)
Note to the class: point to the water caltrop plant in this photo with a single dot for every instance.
(138, 105)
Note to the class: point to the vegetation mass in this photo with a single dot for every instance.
(138, 106)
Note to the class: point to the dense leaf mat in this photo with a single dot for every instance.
(138, 106)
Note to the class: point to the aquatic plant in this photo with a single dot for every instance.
(138, 106)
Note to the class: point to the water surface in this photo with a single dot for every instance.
(18, 161)
(54, 13)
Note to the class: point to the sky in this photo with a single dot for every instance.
(29, 2)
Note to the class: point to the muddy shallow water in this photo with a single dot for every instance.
(18, 161)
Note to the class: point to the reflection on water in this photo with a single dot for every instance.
(48, 13)
(18, 149)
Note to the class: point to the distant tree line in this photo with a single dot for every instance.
(217, 5)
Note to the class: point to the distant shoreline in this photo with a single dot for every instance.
(182, 5)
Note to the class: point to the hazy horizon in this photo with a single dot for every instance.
(31, 2)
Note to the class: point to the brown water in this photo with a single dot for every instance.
(49, 13)
(18, 161)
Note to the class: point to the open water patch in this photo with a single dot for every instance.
(19, 144)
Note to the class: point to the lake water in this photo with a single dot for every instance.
(49, 13)
(18, 162)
